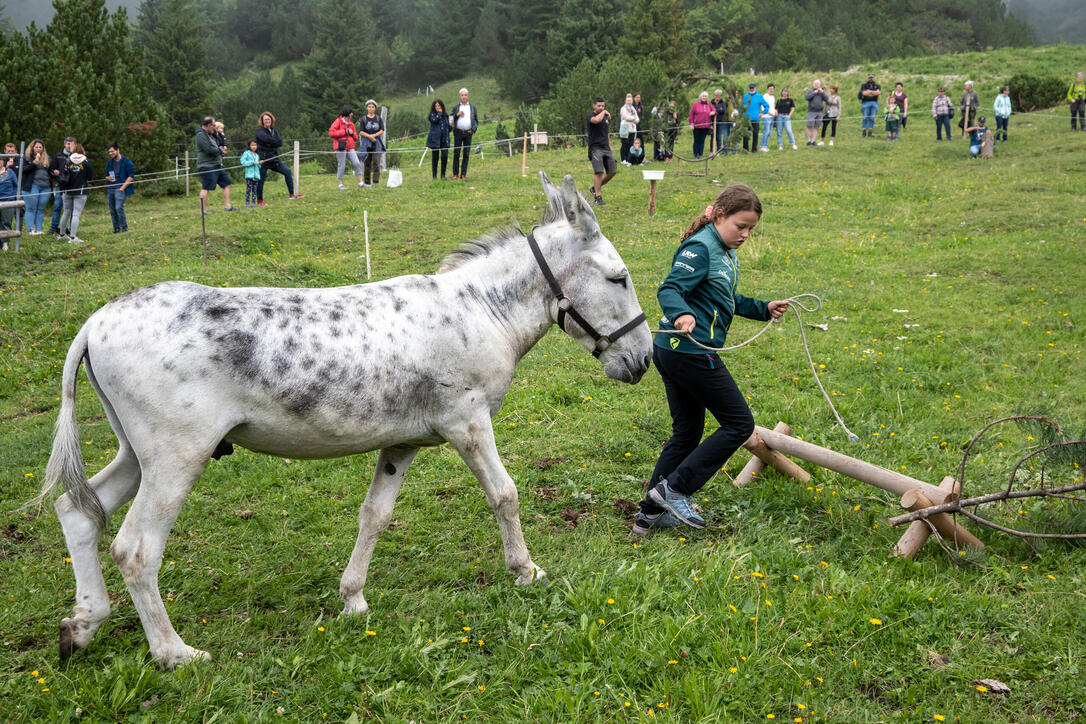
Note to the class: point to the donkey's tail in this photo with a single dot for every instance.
(66, 462)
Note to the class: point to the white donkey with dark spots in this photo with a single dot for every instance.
(185, 371)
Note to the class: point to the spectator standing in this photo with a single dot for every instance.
(869, 105)
(437, 140)
(723, 121)
(75, 181)
(1076, 96)
(785, 108)
(969, 106)
(640, 117)
(371, 135)
(769, 118)
(1002, 108)
(268, 143)
(942, 110)
(250, 161)
(56, 168)
(833, 112)
(209, 153)
(817, 100)
(893, 119)
(343, 135)
(9, 189)
(754, 106)
(465, 121)
(604, 166)
(121, 174)
(37, 185)
(701, 118)
(627, 127)
(636, 154)
(902, 102)
(673, 125)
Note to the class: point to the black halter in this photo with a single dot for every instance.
(565, 306)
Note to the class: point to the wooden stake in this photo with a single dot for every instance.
(652, 197)
(853, 468)
(916, 535)
(946, 526)
(524, 158)
(761, 454)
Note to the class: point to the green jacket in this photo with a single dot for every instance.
(208, 153)
(1076, 91)
(702, 282)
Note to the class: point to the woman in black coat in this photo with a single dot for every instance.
(438, 138)
(267, 148)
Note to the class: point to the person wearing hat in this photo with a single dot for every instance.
(869, 104)
(754, 106)
(371, 142)
(942, 109)
(343, 134)
(209, 165)
(465, 121)
(976, 137)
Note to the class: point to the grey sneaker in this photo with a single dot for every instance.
(677, 504)
(645, 522)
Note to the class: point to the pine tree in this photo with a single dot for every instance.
(332, 75)
(176, 60)
(657, 29)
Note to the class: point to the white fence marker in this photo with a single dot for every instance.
(366, 228)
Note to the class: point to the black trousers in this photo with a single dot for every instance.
(695, 383)
(444, 160)
(754, 130)
(826, 124)
(1079, 107)
(461, 142)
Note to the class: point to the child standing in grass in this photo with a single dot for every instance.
(251, 162)
(893, 119)
(698, 300)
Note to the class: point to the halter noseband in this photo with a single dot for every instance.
(565, 306)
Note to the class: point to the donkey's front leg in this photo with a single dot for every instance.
(475, 443)
(373, 517)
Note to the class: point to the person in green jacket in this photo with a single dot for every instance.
(209, 165)
(698, 300)
(1076, 96)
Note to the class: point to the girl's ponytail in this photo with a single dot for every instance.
(735, 198)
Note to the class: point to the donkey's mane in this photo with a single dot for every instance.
(481, 247)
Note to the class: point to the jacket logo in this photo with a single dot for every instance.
(674, 342)
(682, 265)
(688, 254)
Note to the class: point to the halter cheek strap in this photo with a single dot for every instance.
(565, 307)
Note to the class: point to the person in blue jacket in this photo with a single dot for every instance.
(754, 107)
(437, 140)
(121, 174)
(698, 300)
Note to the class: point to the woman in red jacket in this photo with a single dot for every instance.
(702, 114)
(344, 135)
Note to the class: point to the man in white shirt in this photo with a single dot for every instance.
(464, 120)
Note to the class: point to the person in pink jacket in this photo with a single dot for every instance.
(702, 114)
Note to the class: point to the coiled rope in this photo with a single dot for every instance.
(795, 305)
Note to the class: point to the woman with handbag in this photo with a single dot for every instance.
(343, 134)
(437, 140)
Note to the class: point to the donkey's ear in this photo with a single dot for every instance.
(557, 210)
(577, 210)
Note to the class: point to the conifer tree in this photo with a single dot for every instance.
(657, 29)
(176, 60)
(332, 74)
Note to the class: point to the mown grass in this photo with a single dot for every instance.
(770, 612)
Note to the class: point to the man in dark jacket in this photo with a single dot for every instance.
(209, 164)
(56, 167)
(465, 121)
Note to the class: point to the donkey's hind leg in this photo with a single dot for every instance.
(373, 517)
(114, 485)
(137, 549)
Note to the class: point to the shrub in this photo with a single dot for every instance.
(402, 124)
(1031, 93)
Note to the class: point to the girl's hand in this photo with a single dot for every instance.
(685, 323)
(778, 307)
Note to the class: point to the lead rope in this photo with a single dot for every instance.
(793, 304)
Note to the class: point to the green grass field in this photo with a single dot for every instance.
(953, 296)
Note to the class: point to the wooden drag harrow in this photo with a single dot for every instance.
(767, 447)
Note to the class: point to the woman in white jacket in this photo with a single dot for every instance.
(627, 128)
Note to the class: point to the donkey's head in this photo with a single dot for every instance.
(600, 309)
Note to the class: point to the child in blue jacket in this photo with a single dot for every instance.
(251, 162)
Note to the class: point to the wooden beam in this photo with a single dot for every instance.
(946, 526)
(916, 535)
(860, 470)
(762, 454)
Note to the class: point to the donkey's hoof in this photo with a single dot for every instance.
(75, 634)
(534, 574)
(67, 640)
(355, 606)
(180, 657)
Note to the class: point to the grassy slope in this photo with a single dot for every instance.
(769, 611)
